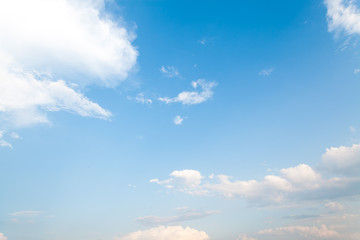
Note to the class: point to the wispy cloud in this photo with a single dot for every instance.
(26, 213)
(352, 129)
(185, 215)
(356, 71)
(170, 71)
(308, 232)
(194, 97)
(140, 98)
(266, 72)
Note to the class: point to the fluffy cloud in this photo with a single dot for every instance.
(169, 71)
(184, 180)
(2, 237)
(342, 160)
(313, 232)
(343, 16)
(75, 36)
(166, 233)
(300, 183)
(194, 97)
(46, 46)
(185, 215)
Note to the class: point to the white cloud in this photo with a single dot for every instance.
(15, 135)
(245, 237)
(334, 206)
(266, 72)
(352, 129)
(343, 16)
(2, 237)
(169, 71)
(166, 233)
(342, 160)
(140, 98)
(186, 215)
(178, 120)
(24, 99)
(26, 213)
(4, 143)
(356, 71)
(309, 232)
(292, 186)
(45, 46)
(194, 97)
(75, 36)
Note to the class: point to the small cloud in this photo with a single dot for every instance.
(203, 41)
(169, 71)
(245, 237)
(186, 214)
(140, 98)
(131, 186)
(352, 129)
(14, 135)
(357, 70)
(178, 120)
(26, 213)
(266, 72)
(4, 143)
(194, 97)
(334, 206)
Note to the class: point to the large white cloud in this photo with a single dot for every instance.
(67, 38)
(48, 45)
(343, 16)
(166, 233)
(342, 160)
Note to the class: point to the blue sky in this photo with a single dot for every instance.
(197, 120)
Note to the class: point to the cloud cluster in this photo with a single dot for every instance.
(2, 237)
(46, 47)
(194, 97)
(166, 233)
(343, 16)
(292, 185)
